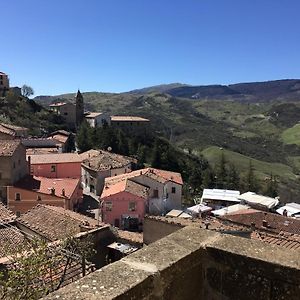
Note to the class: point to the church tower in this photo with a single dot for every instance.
(79, 108)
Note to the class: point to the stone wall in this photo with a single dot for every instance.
(194, 263)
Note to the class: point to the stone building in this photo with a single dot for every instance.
(98, 165)
(13, 165)
(66, 110)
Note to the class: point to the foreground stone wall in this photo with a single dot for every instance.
(193, 263)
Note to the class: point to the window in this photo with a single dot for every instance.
(65, 113)
(0, 175)
(132, 206)
(53, 168)
(155, 193)
(18, 196)
(19, 161)
(18, 214)
(39, 198)
(173, 190)
(108, 206)
(14, 165)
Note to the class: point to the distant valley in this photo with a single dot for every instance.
(257, 121)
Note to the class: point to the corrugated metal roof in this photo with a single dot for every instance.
(230, 209)
(218, 194)
(291, 208)
(254, 199)
(199, 208)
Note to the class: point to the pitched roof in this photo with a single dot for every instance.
(13, 127)
(92, 115)
(59, 138)
(8, 147)
(255, 199)
(55, 158)
(125, 186)
(11, 239)
(6, 215)
(35, 151)
(58, 104)
(105, 160)
(291, 208)
(6, 130)
(218, 194)
(61, 131)
(89, 154)
(128, 119)
(55, 223)
(275, 223)
(289, 241)
(44, 185)
(40, 143)
(162, 176)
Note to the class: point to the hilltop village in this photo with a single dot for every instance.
(57, 187)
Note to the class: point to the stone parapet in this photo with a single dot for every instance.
(193, 263)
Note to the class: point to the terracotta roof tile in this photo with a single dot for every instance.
(55, 158)
(55, 223)
(6, 215)
(275, 223)
(8, 147)
(289, 242)
(156, 174)
(105, 160)
(44, 185)
(11, 239)
(125, 186)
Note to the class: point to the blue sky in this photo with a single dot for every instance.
(119, 45)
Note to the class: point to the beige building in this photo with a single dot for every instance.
(13, 165)
(130, 124)
(4, 84)
(97, 119)
(66, 110)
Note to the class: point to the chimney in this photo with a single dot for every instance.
(52, 191)
(63, 192)
(252, 225)
(265, 223)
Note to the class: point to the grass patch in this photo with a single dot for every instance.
(241, 162)
(291, 135)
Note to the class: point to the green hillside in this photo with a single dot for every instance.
(292, 135)
(241, 162)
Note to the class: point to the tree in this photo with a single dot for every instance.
(156, 160)
(221, 172)
(250, 181)
(84, 137)
(233, 179)
(26, 91)
(37, 268)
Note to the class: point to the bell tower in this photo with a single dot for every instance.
(79, 108)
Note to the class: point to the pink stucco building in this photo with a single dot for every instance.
(58, 165)
(123, 204)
